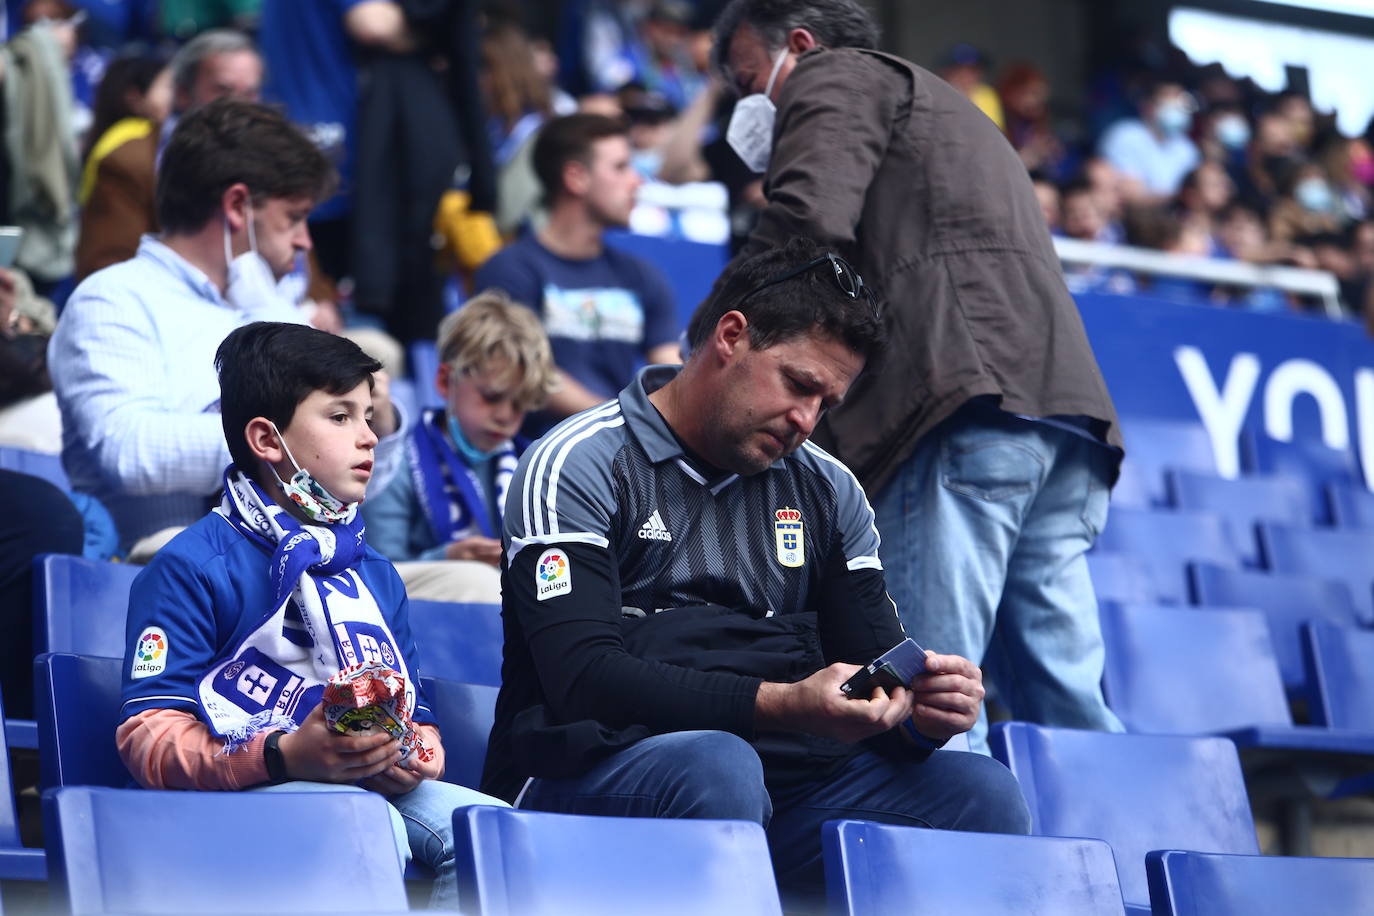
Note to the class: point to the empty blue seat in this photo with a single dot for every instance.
(1286, 600)
(1118, 577)
(1166, 542)
(38, 464)
(1154, 445)
(1352, 505)
(875, 869)
(136, 851)
(464, 713)
(1342, 663)
(1345, 556)
(77, 700)
(1244, 502)
(80, 605)
(1209, 884)
(458, 642)
(16, 862)
(529, 863)
(424, 367)
(1136, 792)
(1311, 461)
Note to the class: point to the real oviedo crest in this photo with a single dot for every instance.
(791, 539)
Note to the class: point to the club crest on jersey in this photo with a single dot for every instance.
(552, 575)
(791, 539)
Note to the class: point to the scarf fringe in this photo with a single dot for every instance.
(265, 721)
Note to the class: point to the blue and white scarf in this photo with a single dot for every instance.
(449, 490)
(323, 618)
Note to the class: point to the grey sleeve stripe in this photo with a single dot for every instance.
(557, 469)
(854, 491)
(864, 563)
(538, 462)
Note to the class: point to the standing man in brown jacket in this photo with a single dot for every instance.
(986, 439)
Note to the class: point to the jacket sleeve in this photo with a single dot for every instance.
(115, 216)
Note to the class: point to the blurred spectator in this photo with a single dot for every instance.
(605, 311)
(29, 418)
(1307, 206)
(1223, 135)
(183, 19)
(519, 99)
(965, 68)
(135, 88)
(1349, 166)
(118, 205)
(1154, 148)
(1082, 215)
(1048, 195)
(1297, 110)
(86, 63)
(1025, 95)
(1111, 189)
(1154, 226)
(669, 68)
(1273, 153)
(1205, 192)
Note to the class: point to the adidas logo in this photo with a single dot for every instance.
(654, 529)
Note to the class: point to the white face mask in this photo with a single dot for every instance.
(251, 284)
(750, 133)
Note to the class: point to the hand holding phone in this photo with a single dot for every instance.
(894, 668)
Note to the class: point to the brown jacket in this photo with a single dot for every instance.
(121, 207)
(900, 174)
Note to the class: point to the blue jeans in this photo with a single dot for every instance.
(712, 774)
(422, 825)
(984, 531)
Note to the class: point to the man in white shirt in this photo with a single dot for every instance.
(132, 359)
(1154, 149)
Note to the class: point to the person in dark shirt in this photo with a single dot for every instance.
(688, 581)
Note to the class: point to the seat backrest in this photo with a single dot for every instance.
(80, 605)
(1136, 792)
(879, 868)
(464, 713)
(1346, 556)
(529, 863)
(1154, 655)
(424, 366)
(146, 852)
(458, 642)
(1352, 505)
(1310, 460)
(1117, 577)
(1286, 600)
(9, 815)
(1342, 676)
(1152, 445)
(1209, 884)
(1165, 542)
(76, 702)
(1244, 502)
(38, 464)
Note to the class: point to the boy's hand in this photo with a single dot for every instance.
(479, 548)
(394, 780)
(316, 753)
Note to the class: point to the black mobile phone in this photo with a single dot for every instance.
(894, 668)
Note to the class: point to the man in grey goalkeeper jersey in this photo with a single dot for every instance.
(688, 582)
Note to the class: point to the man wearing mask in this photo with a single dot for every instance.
(987, 440)
(1155, 148)
(132, 359)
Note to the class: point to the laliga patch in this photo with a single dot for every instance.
(552, 575)
(790, 537)
(150, 653)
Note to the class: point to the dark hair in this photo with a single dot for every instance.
(569, 139)
(834, 23)
(808, 302)
(268, 367)
(230, 141)
(123, 74)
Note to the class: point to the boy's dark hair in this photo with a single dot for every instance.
(230, 141)
(268, 367)
(834, 23)
(568, 139)
(811, 301)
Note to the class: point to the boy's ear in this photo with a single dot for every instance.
(443, 377)
(263, 440)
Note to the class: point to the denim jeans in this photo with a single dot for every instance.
(712, 774)
(984, 531)
(422, 825)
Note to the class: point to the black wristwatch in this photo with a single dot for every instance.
(275, 759)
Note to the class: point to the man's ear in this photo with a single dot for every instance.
(800, 40)
(263, 440)
(732, 332)
(576, 177)
(234, 203)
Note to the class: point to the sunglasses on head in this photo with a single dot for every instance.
(846, 278)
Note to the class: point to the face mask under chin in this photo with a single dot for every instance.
(308, 493)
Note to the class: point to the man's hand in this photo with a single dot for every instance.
(316, 753)
(383, 412)
(479, 548)
(946, 696)
(817, 706)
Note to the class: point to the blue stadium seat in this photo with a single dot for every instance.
(154, 853)
(879, 868)
(1309, 460)
(1244, 502)
(423, 356)
(1342, 663)
(690, 267)
(458, 642)
(16, 862)
(1286, 600)
(37, 464)
(529, 863)
(1352, 505)
(1203, 884)
(464, 713)
(76, 699)
(1118, 577)
(1345, 556)
(404, 395)
(1166, 542)
(1184, 671)
(1154, 445)
(1136, 792)
(80, 605)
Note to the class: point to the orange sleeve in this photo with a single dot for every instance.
(173, 749)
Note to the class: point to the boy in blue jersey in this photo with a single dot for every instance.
(238, 622)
